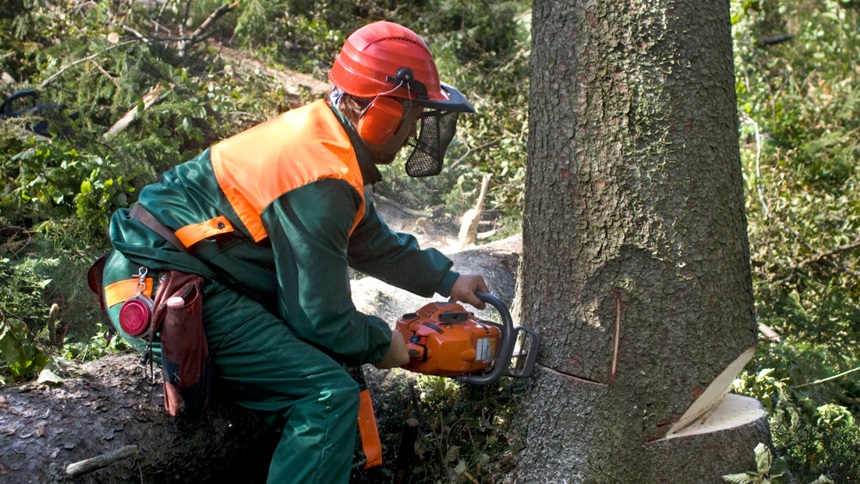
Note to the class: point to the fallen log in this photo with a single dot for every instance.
(50, 434)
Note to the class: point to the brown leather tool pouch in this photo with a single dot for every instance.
(94, 279)
(185, 364)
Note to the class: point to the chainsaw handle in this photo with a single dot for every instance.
(506, 345)
(6, 108)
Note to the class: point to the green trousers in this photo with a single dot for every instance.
(261, 365)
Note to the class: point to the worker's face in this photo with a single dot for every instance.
(384, 154)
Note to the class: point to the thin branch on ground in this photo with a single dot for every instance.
(197, 35)
(816, 382)
(107, 74)
(472, 150)
(821, 257)
(85, 466)
(136, 34)
(80, 61)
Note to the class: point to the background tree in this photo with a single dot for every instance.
(635, 263)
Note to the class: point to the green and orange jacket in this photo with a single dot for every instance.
(278, 213)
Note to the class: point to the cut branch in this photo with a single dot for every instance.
(101, 461)
(79, 61)
(150, 98)
(820, 257)
(197, 35)
(618, 313)
(829, 253)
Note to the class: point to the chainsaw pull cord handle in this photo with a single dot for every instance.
(506, 345)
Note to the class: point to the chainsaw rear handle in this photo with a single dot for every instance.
(506, 345)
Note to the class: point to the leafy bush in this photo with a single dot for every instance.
(799, 100)
(768, 470)
(21, 315)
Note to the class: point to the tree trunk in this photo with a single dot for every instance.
(635, 265)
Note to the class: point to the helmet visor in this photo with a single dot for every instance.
(428, 149)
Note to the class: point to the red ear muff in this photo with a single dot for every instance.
(380, 120)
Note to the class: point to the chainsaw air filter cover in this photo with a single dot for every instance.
(446, 340)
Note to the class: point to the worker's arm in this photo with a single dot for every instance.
(397, 354)
(309, 231)
(396, 258)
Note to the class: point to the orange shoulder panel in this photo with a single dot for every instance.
(299, 147)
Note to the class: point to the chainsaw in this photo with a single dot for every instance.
(446, 340)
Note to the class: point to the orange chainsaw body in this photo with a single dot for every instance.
(446, 340)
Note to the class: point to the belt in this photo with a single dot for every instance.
(123, 290)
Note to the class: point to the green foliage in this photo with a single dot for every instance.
(814, 439)
(799, 102)
(21, 310)
(465, 431)
(18, 353)
(768, 470)
(103, 342)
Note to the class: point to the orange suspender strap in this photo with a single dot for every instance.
(193, 233)
(186, 236)
(370, 442)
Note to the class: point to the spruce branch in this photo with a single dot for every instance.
(80, 61)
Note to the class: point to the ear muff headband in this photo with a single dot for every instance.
(380, 120)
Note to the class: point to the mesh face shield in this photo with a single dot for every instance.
(428, 149)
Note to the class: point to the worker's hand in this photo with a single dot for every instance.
(396, 356)
(464, 289)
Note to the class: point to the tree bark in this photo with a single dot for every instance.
(635, 265)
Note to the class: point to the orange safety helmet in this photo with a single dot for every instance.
(384, 60)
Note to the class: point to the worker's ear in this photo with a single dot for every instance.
(380, 120)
